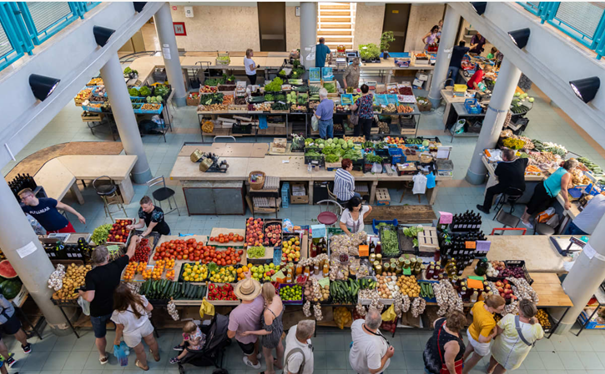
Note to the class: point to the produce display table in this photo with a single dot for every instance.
(60, 174)
(449, 98)
(388, 67)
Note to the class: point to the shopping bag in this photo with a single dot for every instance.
(419, 184)
(206, 308)
(120, 354)
(376, 168)
(459, 126)
(544, 216)
(314, 123)
(389, 315)
(85, 305)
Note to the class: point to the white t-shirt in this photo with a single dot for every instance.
(295, 359)
(588, 219)
(247, 63)
(352, 225)
(129, 319)
(367, 350)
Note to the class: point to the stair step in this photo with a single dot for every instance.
(339, 26)
(335, 13)
(334, 19)
(335, 32)
(323, 6)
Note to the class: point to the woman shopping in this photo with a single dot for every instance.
(445, 349)
(483, 329)
(250, 66)
(515, 338)
(546, 192)
(431, 37)
(351, 220)
(273, 328)
(132, 323)
(364, 104)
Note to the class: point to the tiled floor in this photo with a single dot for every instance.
(561, 354)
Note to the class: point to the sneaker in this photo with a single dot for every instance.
(178, 348)
(27, 348)
(10, 361)
(249, 363)
(174, 360)
(528, 225)
(481, 208)
(104, 360)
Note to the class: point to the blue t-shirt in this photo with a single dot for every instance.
(321, 51)
(325, 110)
(47, 214)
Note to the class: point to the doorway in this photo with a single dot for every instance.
(272, 26)
(396, 17)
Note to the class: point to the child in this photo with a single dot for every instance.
(193, 339)
(492, 54)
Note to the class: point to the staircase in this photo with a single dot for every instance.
(336, 23)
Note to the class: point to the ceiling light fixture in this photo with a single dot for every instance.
(520, 37)
(586, 89)
(42, 86)
(139, 5)
(102, 34)
(479, 7)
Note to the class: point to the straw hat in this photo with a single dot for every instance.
(247, 289)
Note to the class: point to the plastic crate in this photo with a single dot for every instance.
(428, 299)
(392, 99)
(349, 96)
(591, 325)
(397, 156)
(380, 99)
(289, 302)
(285, 201)
(315, 74)
(375, 223)
(472, 106)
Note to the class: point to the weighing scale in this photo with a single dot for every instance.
(445, 168)
(351, 55)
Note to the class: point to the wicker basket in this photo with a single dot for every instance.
(260, 181)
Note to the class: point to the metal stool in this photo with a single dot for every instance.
(328, 218)
(510, 196)
(163, 193)
(108, 191)
(543, 229)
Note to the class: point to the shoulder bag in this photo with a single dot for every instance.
(520, 333)
(302, 364)
(354, 117)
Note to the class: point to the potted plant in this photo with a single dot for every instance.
(385, 39)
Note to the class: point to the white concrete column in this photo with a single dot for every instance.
(308, 33)
(508, 77)
(119, 98)
(33, 268)
(170, 51)
(585, 277)
(444, 54)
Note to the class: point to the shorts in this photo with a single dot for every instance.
(11, 326)
(133, 338)
(99, 325)
(65, 230)
(247, 348)
(482, 349)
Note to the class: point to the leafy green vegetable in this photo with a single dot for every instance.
(332, 158)
(212, 267)
(144, 91)
(370, 158)
(275, 85)
(330, 87)
(100, 234)
(133, 92)
(369, 51)
(390, 244)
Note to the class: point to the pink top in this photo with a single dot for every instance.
(246, 317)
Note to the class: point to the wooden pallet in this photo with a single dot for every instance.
(427, 239)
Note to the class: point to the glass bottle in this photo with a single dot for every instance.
(474, 297)
(307, 271)
(299, 269)
(326, 271)
(378, 249)
(316, 268)
(289, 277)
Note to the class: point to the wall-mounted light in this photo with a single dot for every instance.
(139, 5)
(42, 86)
(520, 37)
(586, 89)
(479, 7)
(102, 34)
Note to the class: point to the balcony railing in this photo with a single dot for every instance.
(584, 22)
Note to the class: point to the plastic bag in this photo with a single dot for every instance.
(342, 316)
(120, 353)
(85, 305)
(544, 216)
(389, 314)
(376, 168)
(459, 126)
(419, 184)
(206, 308)
(314, 123)
(287, 226)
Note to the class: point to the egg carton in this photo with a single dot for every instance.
(271, 183)
(264, 202)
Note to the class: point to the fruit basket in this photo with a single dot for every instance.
(215, 295)
(290, 293)
(272, 233)
(118, 234)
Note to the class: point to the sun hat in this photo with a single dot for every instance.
(247, 289)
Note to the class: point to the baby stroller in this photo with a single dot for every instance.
(213, 351)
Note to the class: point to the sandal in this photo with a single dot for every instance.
(157, 359)
(138, 364)
(104, 360)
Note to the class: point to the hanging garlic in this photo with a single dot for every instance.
(361, 309)
(172, 310)
(418, 306)
(307, 309)
(317, 312)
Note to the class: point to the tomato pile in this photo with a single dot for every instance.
(230, 237)
(118, 231)
(221, 258)
(179, 250)
(224, 292)
(142, 252)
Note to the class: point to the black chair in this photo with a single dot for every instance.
(163, 193)
(108, 191)
(510, 196)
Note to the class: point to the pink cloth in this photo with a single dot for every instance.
(246, 317)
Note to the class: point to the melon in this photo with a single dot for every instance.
(11, 288)
(6, 270)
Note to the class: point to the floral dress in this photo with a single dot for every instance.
(364, 104)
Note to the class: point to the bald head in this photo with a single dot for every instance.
(373, 319)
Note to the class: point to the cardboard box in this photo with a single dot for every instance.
(298, 194)
(418, 83)
(382, 196)
(422, 77)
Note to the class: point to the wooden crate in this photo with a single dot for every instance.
(382, 196)
(217, 230)
(427, 240)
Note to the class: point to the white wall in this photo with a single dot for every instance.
(422, 18)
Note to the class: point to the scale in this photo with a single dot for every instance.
(351, 55)
(564, 246)
(445, 168)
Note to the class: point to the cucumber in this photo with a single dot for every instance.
(192, 292)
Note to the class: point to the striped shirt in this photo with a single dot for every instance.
(344, 185)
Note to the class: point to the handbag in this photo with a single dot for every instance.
(354, 117)
(520, 333)
(457, 364)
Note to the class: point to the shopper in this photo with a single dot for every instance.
(344, 182)
(365, 105)
(445, 349)
(351, 75)
(456, 61)
(299, 351)
(440, 25)
(324, 113)
(246, 317)
(193, 340)
(10, 325)
(272, 330)
(132, 323)
(482, 330)
(511, 175)
(431, 37)
(321, 53)
(250, 66)
(477, 78)
(492, 54)
(100, 284)
(586, 222)
(477, 43)
(151, 216)
(351, 220)
(370, 352)
(515, 338)
(546, 192)
(45, 211)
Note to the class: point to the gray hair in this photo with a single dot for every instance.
(323, 93)
(99, 255)
(570, 164)
(305, 329)
(373, 319)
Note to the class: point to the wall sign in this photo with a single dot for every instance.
(173, 7)
(179, 28)
(188, 11)
(297, 11)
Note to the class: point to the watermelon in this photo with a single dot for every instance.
(6, 270)
(11, 288)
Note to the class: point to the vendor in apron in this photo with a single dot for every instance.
(351, 220)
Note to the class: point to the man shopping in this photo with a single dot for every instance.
(371, 352)
(45, 210)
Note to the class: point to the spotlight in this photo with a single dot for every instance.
(139, 5)
(479, 7)
(42, 86)
(102, 34)
(520, 37)
(586, 89)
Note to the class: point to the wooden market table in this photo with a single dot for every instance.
(60, 174)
